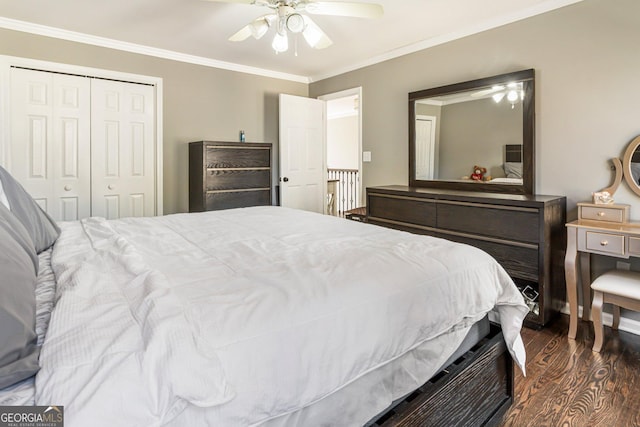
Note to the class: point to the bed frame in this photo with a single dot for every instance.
(475, 390)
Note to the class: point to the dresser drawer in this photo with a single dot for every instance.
(603, 213)
(606, 243)
(511, 224)
(237, 199)
(225, 179)
(403, 209)
(237, 157)
(520, 262)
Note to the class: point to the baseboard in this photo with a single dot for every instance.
(626, 324)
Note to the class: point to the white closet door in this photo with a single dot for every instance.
(122, 148)
(50, 140)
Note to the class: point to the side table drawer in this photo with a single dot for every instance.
(605, 243)
(608, 213)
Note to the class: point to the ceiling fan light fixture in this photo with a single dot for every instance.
(295, 23)
(259, 28)
(280, 43)
(315, 37)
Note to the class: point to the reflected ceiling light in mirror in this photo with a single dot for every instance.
(513, 92)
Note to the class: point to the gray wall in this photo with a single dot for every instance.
(199, 102)
(587, 90)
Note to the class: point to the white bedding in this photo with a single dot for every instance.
(244, 317)
(506, 181)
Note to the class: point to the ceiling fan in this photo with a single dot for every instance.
(286, 17)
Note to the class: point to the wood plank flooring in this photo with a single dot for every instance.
(569, 385)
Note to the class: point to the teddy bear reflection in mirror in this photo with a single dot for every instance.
(478, 173)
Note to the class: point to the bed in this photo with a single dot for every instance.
(261, 316)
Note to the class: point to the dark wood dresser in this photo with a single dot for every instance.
(225, 175)
(524, 233)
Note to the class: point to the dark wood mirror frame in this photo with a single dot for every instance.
(528, 137)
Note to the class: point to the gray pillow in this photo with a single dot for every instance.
(42, 229)
(19, 265)
(513, 169)
(3, 197)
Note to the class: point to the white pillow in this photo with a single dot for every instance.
(3, 197)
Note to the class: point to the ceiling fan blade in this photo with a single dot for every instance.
(340, 8)
(315, 37)
(243, 34)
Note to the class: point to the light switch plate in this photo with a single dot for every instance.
(366, 156)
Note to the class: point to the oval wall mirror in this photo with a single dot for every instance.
(631, 165)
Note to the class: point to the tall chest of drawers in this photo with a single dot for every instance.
(525, 234)
(225, 175)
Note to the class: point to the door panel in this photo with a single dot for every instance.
(123, 173)
(49, 144)
(425, 147)
(302, 153)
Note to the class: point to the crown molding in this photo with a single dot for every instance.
(445, 38)
(43, 30)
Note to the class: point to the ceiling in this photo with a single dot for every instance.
(197, 30)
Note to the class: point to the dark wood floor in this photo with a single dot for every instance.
(569, 385)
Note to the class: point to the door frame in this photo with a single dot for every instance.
(343, 94)
(7, 62)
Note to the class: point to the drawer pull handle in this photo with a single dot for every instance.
(601, 214)
(604, 243)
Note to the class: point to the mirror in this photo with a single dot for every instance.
(474, 136)
(631, 165)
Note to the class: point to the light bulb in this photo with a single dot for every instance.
(280, 43)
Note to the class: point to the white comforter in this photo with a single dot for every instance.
(251, 313)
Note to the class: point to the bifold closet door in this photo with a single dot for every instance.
(122, 149)
(49, 148)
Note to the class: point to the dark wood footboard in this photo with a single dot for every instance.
(475, 390)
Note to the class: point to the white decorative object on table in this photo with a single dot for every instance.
(602, 198)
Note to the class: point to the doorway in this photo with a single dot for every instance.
(344, 148)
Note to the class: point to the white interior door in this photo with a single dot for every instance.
(425, 146)
(122, 144)
(303, 177)
(49, 144)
